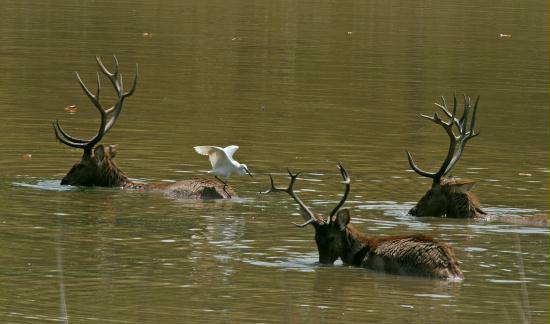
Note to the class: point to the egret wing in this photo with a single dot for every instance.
(203, 150)
(216, 154)
(230, 150)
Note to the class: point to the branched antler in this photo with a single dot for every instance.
(289, 190)
(457, 142)
(105, 125)
(347, 182)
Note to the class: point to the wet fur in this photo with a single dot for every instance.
(192, 188)
(464, 205)
(443, 200)
(416, 255)
(413, 255)
(98, 169)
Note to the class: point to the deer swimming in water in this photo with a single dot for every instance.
(336, 237)
(449, 196)
(97, 167)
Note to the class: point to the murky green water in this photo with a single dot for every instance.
(294, 84)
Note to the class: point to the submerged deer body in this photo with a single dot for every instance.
(449, 196)
(97, 167)
(336, 238)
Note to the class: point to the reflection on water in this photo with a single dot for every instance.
(294, 84)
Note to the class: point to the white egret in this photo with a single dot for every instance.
(223, 164)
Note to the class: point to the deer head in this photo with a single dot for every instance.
(96, 167)
(449, 196)
(331, 234)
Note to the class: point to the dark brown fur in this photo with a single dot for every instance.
(449, 198)
(414, 255)
(452, 199)
(99, 169)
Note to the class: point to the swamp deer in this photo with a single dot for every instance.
(449, 196)
(415, 255)
(97, 168)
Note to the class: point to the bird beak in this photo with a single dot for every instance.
(248, 172)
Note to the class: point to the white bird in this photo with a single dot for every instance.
(223, 164)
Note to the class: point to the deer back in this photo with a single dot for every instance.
(540, 220)
(416, 255)
(189, 188)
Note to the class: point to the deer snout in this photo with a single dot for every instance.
(412, 211)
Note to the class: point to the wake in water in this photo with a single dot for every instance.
(52, 185)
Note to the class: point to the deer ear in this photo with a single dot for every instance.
(343, 217)
(99, 153)
(462, 187)
(112, 151)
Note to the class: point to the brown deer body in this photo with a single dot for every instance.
(336, 238)
(539, 220)
(448, 196)
(97, 168)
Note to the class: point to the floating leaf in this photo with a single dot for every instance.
(72, 109)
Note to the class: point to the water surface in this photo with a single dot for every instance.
(294, 84)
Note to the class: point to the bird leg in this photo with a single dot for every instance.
(224, 185)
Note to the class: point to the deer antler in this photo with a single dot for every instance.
(347, 181)
(105, 125)
(290, 191)
(457, 142)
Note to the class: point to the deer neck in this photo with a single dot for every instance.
(464, 205)
(115, 177)
(357, 246)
